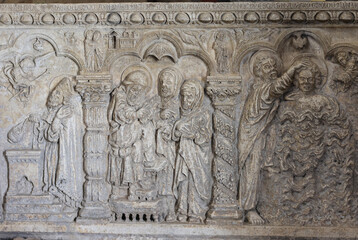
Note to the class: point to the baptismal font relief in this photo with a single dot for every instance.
(187, 125)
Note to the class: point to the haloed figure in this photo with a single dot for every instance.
(258, 112)
(132, 132)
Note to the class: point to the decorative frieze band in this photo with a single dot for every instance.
(181, 14)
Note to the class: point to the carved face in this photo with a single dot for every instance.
(188, 97)
(96, 36)
(269, 69)
(55, 98)
(342, 58)
(135, 93)
(167, 85)
(306, 81)
(299, 40)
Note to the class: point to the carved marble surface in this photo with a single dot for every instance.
(234, 114)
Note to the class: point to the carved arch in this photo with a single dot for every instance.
(146, 41)
(316, 36)
(111, 59)
(58, 52)
(204, 57)
(280, 41)
(246, 49)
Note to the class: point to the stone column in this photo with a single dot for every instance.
(223, 91)
(95, 91)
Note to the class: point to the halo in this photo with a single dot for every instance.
(268, 52)
(319, 63)
(137, 67)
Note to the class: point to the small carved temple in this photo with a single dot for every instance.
(179, 120)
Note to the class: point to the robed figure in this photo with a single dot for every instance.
(254, 130)
(63, 153)
(169, 80)
(192, 179)
(132, 134)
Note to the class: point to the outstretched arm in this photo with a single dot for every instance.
(282, 84)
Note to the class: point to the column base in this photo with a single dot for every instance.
(224, 215)
(94, 212)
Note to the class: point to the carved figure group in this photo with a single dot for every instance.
(175, 147)
(294, 141)
(132, 131)
(289, 159)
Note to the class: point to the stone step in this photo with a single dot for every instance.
(37, 208)
(40, 199)
(40, 217)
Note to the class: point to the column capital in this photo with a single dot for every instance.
(223, 90)
(92, 86)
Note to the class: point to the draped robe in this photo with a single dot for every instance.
(259, 110)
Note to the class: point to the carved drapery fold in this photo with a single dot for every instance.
(146, 144)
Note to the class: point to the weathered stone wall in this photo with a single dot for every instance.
(179, 120)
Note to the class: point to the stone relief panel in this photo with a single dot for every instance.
(122, 118)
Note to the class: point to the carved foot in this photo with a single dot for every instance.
(254, 218)
(170, 218)
(194, 220)
(182, 218)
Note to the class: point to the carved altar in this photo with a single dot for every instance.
(179, 120)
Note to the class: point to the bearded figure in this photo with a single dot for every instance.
(64, 133)
(132, 132)
(255, 123)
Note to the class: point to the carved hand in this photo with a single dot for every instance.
(64, 112)
(297, 65)
(34, 118)
(143, 115)
(166, 133)
(167, 113)
(185, 130)
(130, 115)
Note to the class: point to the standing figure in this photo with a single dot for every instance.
(258, 112)
(93, 51)
(169, 80)
(223, 51)
(132, 133)
(63, 152)
(192, 179)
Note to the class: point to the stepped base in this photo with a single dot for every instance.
(37, 208)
